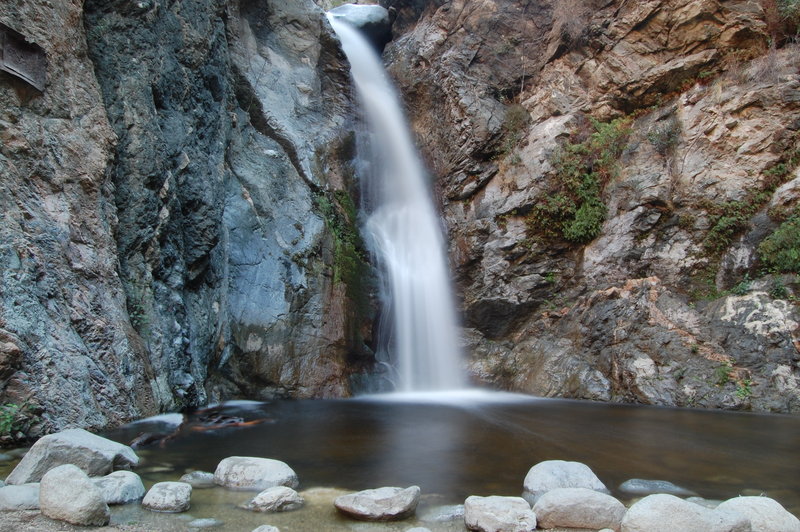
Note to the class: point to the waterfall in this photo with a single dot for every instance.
(404, 232)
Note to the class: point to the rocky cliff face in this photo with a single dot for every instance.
(178, 221)
(608, 171)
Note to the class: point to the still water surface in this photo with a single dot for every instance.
(466, 446)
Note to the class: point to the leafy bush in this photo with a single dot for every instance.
(665, 136)
(780, 251)
(574, 209)
(13, 419)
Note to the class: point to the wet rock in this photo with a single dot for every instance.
(205, 523)
(552, 474)
(372, 20)
(765, 514)
(418, 529)
(489, 514)
(199, 479)
(266, 528)
(667, 513)
(68, 494)
(640, 487)
(94, 454)
(277, 499)
(442, 514)
(381, 504)
(250, 473)
(20, 497)
(168, 497)
(578, 508)
(120, 487)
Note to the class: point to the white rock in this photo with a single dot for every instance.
(578, 508)
(199, 479)
(381, 504)
(171, 497)
(765, 514)
(120, 487)
(276, 499)
(250, 473)
(498, 514)
(552, 474)
(667, 513)
(21, 497)
(266, 528)
(94, 454)
(67, 494)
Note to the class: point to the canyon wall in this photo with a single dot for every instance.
(607, 171)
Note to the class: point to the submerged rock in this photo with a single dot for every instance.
(381, 504)
(490, 514)
(578, 508)
(199, 479)
(641, 487)
(68, 494)
(667, 513)
(251, 473)
(276, 499)
(120, 487)
(765, 514)
(20, 497)
(552, 474)
(94, 454)
(168, 497)
(266, 528)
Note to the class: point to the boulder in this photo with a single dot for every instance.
(168, 497)
(640, 487)
(578, 508)
(372, 20)
(20, 497)
(67, 494)
(199, 479)
(552, 474)
(498, 514)
(667, 513)
(765, 514)
(120, 487)
(381, 504)
(276, 499)
(257, 474)
(94, 454)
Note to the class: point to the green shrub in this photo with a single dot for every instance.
(665, 136)
(780, 251)
(13, 419)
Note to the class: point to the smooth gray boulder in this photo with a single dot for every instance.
(640, 487)
(552, 474)
(199, 479)
(498, 514)
(168, 497)
(120, 487)
(381, 504)
(20, 497)
(95, 455)
(276, 499)
(372, 20)
(578, 508)
(251, 473)
(765, 514)
(668, 513)
(67, 494)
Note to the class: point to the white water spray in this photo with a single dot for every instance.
(404, 231)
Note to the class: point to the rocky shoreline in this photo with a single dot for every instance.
(41, 494)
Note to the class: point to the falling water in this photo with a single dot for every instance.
(404, 232)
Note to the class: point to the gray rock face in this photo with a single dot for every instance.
(94, 454)
(20, 497)
(381, 504)
(667, 513)
(578, 508)
(277, 499)
(553, 474)
(120, 487)
(257, 474)
(640, 487)
(168, 497)
(495, 514)
(765, 514)
(68, 494)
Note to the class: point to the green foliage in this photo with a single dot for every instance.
(728, 219)
(742, 287)
(574, 209)
(778, 290)
(743, 390)
(665, 136)
(723, 374)
(780, 251)
(14, 418)
(514, 123)
(789, 10)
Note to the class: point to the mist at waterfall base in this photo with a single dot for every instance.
(404, 232)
